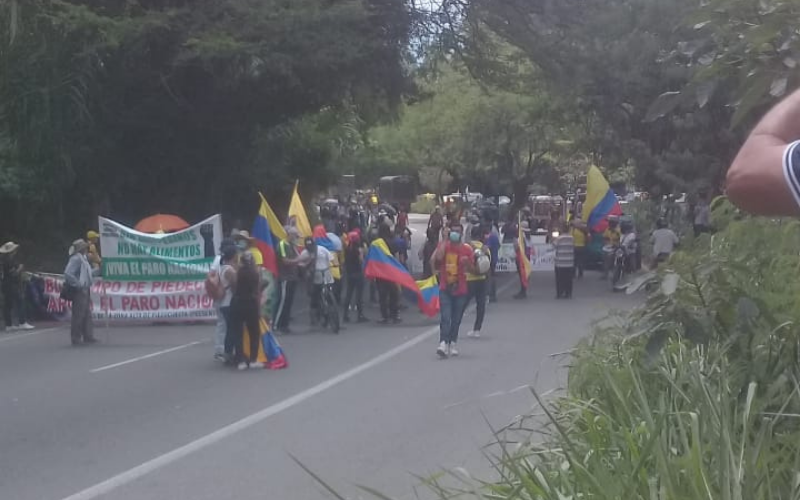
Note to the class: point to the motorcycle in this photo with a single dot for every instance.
(620, 265)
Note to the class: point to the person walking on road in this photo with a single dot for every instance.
(244, 311)
(388, 293)
(453, 260)
(13, 298)
(229, 262)
(426, 250)
(579, 235)
(522, 251)
(492, 241)
(436, 220)
(477, 279)
(78, 276)
(354, 270)
(288, 275)
(227, 247)
(565, 263)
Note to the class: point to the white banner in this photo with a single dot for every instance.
(129, 255)
(135, 300)
(542, 258)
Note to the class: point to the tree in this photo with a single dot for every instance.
(489, 140)
(124, 108)
(608, 58)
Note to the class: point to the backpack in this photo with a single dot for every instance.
(483, 262)
(213, 285)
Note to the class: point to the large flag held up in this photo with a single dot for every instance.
(263, 238)
(600, 201)
(278, 231)
(298, 212)
(380, 264)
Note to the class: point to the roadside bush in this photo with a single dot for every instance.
(694, 395)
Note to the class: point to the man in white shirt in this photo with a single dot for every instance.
(664, 241)
(322, 259)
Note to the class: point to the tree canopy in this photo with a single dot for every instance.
(129, 107)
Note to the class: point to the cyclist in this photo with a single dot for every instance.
(322, 259)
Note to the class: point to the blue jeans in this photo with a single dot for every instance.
(452, 310)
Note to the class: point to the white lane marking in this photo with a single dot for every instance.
(170, 457)
(14, 336)
(146, 356)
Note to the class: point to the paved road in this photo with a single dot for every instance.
(370, 406)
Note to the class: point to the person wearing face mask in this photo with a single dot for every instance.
(246, 243)
(453, 260)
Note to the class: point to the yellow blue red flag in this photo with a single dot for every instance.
(380, 264)
(600, 201)
(524, 262)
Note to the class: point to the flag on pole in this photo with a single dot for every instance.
(298, 212)
(278, 231)
(522, 256)
(264, 240)
(600, 201)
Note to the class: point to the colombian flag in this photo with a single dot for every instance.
(380, 264)
(600, 201)
(321, 238)
(278, 232)
(269, 350)
(427, 298)
(264, 240)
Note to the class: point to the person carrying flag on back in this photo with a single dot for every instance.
(453, 259)
(388, 293)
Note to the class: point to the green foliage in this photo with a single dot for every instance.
(609, 59)
(124, 108)
(744, 52)
(490, 140)
(693, 396)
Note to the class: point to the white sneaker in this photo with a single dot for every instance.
(442, 350)
(475, 334)
(242, 366)
(12, 328)
(453, 349)
(26, 326)
(258, 365)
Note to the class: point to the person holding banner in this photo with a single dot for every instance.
(220, 272)
(78, 280)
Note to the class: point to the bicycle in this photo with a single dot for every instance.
(328, 311)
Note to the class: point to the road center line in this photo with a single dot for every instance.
(222, 433)
(146, 356)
